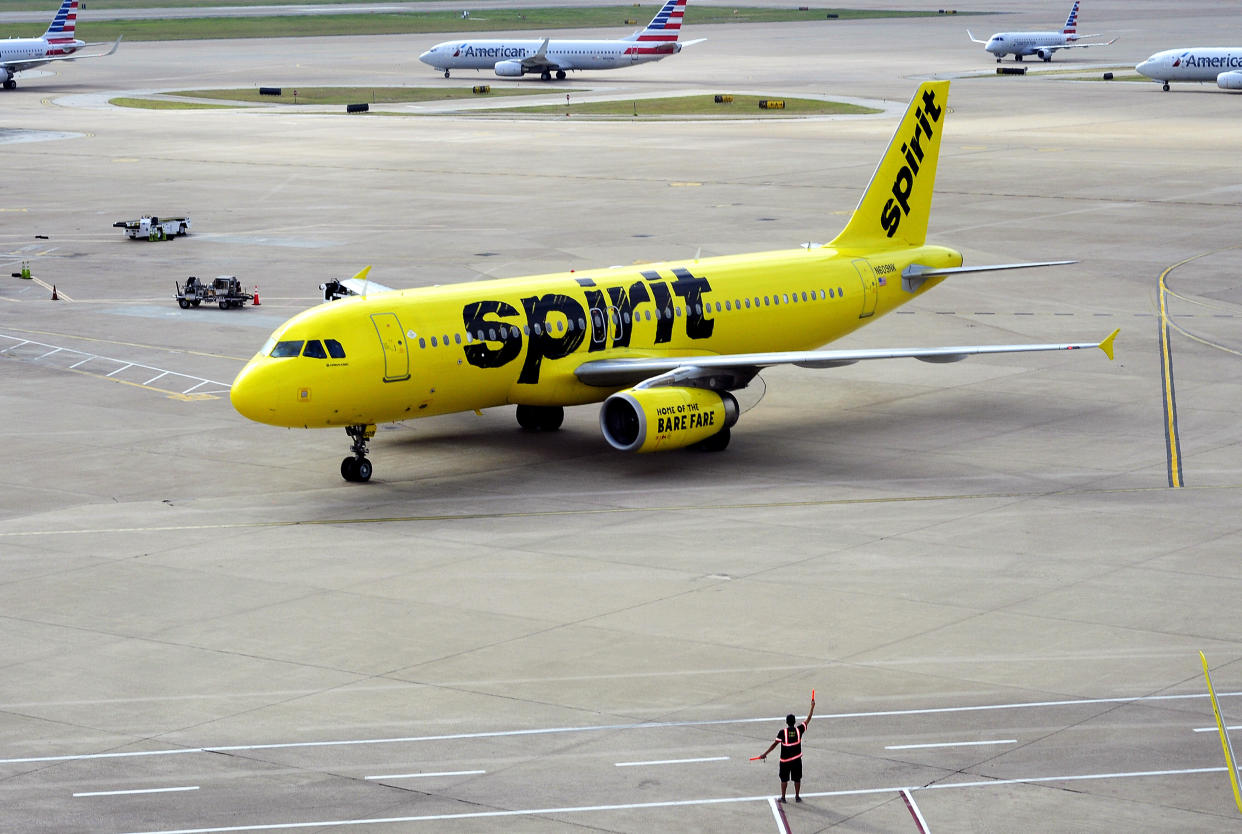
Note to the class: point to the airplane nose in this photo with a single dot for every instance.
(250, 396)
(1143, 67)
(425, 56)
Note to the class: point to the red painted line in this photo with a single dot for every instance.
(919, 822)
(778, 812)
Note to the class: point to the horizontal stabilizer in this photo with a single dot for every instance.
(913, 276)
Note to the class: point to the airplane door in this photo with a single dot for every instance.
(599, 328)
(392, 339)
(870, 286)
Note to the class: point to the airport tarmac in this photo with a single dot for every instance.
(997, 574)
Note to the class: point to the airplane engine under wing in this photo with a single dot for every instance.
(509, 69)
(6, 74)
(660, 418)
(1229, 80)
(1044, 54)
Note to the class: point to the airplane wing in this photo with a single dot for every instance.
(539, 61)
(361, 285)
(736, 370)
(970, 35)
(1081, 45)
(18, 66)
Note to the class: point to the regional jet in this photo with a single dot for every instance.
(1222, 64)
(56, 44)
(1042, 44)
(661, 345)
(515, 58)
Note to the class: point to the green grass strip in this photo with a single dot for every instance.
(703, 105)
(156, 104)
(490, 20)
(354, 95)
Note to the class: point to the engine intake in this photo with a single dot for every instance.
(1231, 80)
(656, 419)
(509, 69)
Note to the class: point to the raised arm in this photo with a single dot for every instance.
(812, 712)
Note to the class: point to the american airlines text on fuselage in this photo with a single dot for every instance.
(469, 51)
(1209, 61)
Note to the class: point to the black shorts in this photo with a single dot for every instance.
(792, 771)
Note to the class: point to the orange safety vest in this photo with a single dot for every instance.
(794, 747)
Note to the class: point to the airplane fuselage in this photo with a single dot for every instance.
(1213, 63)
(437, 350)
(29, 51)
(564, 54)
(1025, 43)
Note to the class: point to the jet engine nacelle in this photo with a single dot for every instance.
(5, 74)
(1229, 80)
(509, 69)
(1044, 54)
(655, 419)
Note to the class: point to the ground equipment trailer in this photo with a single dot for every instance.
(153, 228)
(224, 290)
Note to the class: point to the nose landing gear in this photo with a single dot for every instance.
(358, 468)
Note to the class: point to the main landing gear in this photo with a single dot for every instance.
(1166, 86)
(446, 73)
(10, 84)
(358, 468)
(540, 417)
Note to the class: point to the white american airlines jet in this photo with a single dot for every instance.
(515, 58)
(1041, 44)
(1222, 64)
(56, 44)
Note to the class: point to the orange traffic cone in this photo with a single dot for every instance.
(55, 297)
(256, 301)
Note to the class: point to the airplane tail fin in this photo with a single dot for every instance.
(894, 210)
(1071, 23)
(665, 27)
(61, 29)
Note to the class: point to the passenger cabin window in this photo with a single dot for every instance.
(334, 348)
(290, 348)
(314, 350)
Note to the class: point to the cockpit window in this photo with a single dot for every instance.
(314, 350)
(334, 348)
(287, 348)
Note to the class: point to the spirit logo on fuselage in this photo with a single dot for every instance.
(903, 184)
(499, 329)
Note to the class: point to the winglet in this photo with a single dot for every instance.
(543, 49)
(362, 276)
(971, 35)
(1107, 344)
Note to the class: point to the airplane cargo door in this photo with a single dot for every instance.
(870, 286)
(392, 339)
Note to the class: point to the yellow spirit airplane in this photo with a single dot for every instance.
(662, 345)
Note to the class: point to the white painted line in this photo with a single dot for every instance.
(651, 725)
(782, 822)
(157, 376)
(679, 803)
(1215, 730)
(144, 790)
(421, 775)
(49, 353)
(123, 368)
(672, 761)
(919, 822)
(951, 744)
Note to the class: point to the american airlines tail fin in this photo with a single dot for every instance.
(896, 206)
(665, 27)
(1071, 23)
(61, 29)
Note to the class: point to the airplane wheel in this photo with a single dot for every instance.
(10, 84)
(362, 470)
(540, 417)
(546, 76)
(718, 442)
(446, 73)
(1166, 86)
(560, 75)
(1018, 58)
(347, 469)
